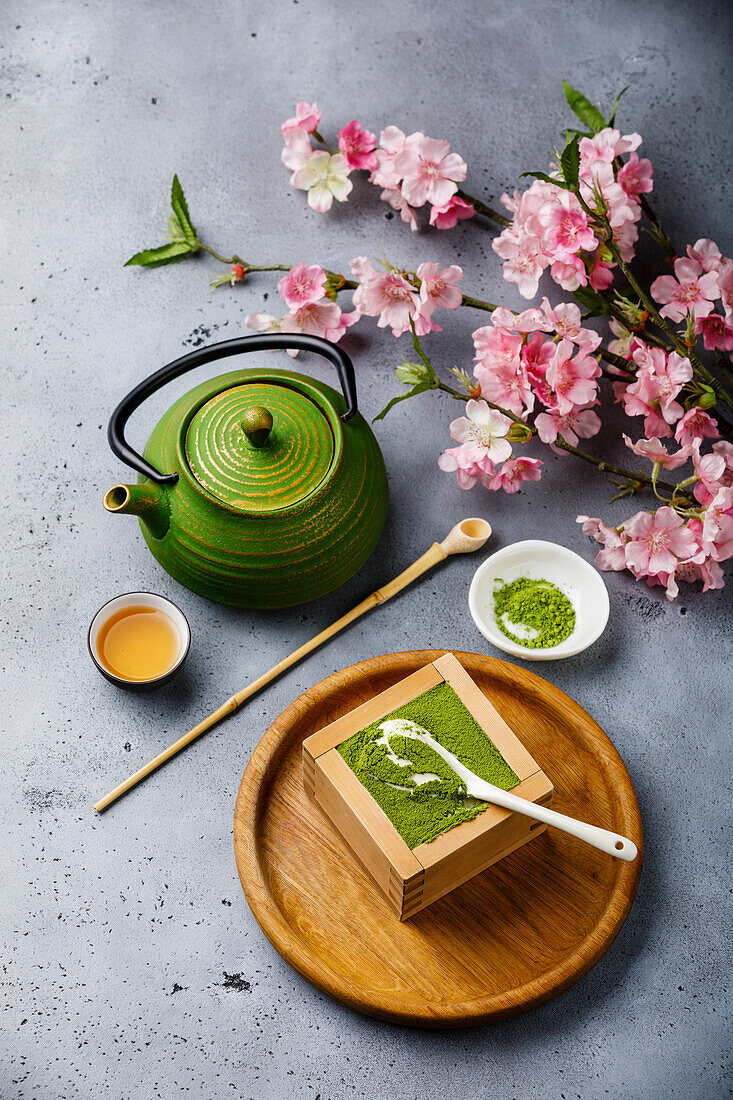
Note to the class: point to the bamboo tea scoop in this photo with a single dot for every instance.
(612, 843)
(464, 538)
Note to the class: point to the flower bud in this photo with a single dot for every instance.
(707, 399)
(633, 313)
(519, 433)
(333, 284)
(412, 373)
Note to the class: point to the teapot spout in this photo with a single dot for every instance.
(148, 501)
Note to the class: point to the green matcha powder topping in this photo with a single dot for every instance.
(537, 609)
(425, 810)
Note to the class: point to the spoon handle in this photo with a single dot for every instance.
(612, 843)
(615, 845)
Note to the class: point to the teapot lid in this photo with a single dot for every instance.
(260, 447)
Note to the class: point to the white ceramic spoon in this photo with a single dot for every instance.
(613, 843)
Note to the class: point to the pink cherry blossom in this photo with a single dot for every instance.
(652, 395)
(717, 526)
(724, 448)
(395, 198)
(297, 150)
(430, 171)
(391, 142)
(707, 254)
(689, 290)
(322, 318)
(302, 284)
(707, 571)
(715, 471)
(438, 288)
(566, 227)
(565, 320)
(626, 234)
(536, 356)
(467, 471)
(508, 385)
(710, 469)
(696, 424)
(446, 216)
(500, 370)
(716, 332)
(622, 344)
(325, 178)
(569, 272)
(263, 322)
(605, 146)
(657, 543)
(307, 117)
(530, 320)
(363, 268)
(573, 380)
(550, 228)
(623, 211)
(386, 295)
(613, 555)
(496, 345)
(482, 431)
(656, 452)
(725, 285)
(523, 262)
(358, 145)
(600, 273)
(636, 176)
(668, 580)
(514, 472)
(576, 425)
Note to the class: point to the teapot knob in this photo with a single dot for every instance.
(257, 425)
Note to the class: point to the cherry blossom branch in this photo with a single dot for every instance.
(600, 220)
(478, 303)
(341, 283)
(682, 348)
(633, 477)
(622, 365)
(482, 208)
(658, 231)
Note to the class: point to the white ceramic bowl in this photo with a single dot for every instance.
(581, 583)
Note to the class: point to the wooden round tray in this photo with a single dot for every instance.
(508, 940)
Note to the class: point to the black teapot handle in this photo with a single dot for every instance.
(266, 341)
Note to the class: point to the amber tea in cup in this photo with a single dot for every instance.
(139, 639)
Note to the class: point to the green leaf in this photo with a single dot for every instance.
(175, 229)
(590, 300)
(612, 116)
(180, 209)
(548, 179)
(580, 133)
(418, 348)
(421, 387)
(169, 253)
(583, 108)
(570, 162)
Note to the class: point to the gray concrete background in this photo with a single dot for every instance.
(132, 966)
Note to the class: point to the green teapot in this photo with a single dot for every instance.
(260, 488)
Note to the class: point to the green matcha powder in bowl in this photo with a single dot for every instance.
(535, 613)
(538, 601)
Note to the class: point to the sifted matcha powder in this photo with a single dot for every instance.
(427, 809)
(534, 613)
